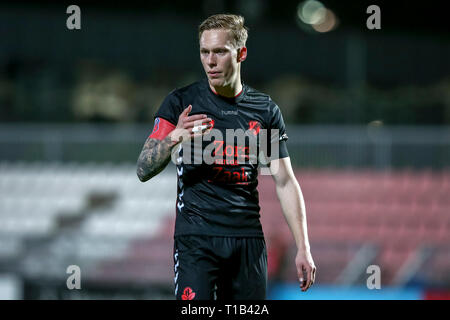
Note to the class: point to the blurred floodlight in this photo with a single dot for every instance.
(311, 12)
(329, 22)
(376, 123)
(313, 17)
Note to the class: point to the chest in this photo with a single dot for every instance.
(228, 116)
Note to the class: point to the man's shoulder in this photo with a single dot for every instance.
(258, 96)
(192, 88)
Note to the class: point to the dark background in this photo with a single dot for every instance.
(351, 75)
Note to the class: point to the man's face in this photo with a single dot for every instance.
(219, 57)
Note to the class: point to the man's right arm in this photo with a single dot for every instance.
(154, 157)
(156, 153)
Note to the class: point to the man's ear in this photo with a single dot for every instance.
(242, 54)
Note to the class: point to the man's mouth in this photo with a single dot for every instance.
(213, 73)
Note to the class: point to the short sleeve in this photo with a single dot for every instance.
(279, 135)
(170, 108)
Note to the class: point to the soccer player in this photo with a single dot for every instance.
(219, 247)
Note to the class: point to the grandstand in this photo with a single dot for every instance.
(93, 216)
(119, 231)
(395, 220)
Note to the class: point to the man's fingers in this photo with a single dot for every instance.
(191, 124)
(207, 130)
(313, 275)
(195, 117)
(201, 130)
(301, 277)
(302, 282)
(307, 278)
(187, 110)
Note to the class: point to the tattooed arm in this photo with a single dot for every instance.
(156, 154)
(154, 157)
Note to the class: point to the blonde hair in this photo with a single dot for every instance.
(233, 23)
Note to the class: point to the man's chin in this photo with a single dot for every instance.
(216, 82)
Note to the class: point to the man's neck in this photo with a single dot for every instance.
(228, 91)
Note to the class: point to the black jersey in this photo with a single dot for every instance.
(221, 198)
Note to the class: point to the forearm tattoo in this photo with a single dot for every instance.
(154, 157)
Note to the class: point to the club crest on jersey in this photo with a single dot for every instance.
(254, 127)
(156, 126)
(188, 294)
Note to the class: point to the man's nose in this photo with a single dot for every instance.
(211, 59)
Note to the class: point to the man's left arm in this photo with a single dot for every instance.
(293, 207)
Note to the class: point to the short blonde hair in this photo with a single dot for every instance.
(233, 23)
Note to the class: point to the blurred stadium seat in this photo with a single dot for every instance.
(90, 215)
(120, 230)
(398, 212)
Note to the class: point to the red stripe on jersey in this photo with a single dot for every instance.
(161, 129)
